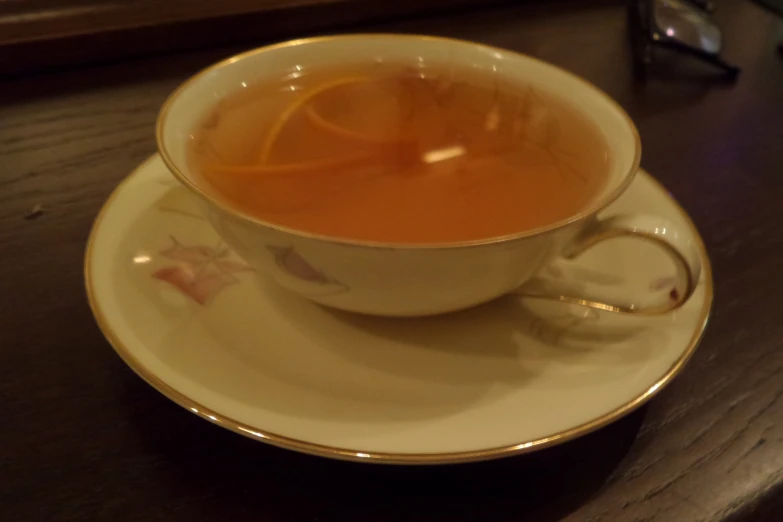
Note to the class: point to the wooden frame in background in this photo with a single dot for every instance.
(38, 34)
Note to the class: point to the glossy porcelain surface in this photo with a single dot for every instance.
(393, 279)
(196, 322)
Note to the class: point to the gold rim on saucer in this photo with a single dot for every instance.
(261, 434)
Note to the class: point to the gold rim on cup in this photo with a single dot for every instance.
(187, 182)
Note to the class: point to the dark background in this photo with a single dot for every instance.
(83, 438)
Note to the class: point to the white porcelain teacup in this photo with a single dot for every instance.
(416, 280)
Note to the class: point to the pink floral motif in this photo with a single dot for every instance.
(293, 264)
(201, 271)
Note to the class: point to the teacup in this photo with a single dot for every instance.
(425, 279)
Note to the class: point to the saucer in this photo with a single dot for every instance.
(194, 321)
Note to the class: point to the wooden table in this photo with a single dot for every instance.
(83, 438)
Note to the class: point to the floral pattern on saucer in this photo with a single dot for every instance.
(199, 272)
(511, 376)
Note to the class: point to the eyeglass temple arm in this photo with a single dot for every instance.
(731, 70)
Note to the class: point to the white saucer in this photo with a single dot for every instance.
(508, 377)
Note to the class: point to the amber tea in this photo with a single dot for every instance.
(393, 153)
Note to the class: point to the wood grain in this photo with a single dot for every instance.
(41, 34)
(24, 20)
(84, 439)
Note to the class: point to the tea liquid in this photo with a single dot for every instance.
(394, 153)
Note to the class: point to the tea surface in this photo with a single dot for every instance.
(394, 153)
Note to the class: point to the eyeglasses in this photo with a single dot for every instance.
(680, 25)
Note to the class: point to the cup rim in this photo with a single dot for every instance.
(590, 210)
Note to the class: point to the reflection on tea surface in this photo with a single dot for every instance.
(387, 152)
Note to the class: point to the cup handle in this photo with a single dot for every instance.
(680, 248)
